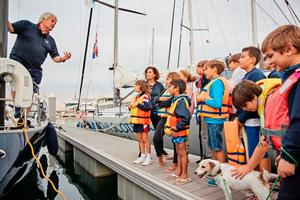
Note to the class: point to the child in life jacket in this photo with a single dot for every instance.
(213, 106)
(177, 126)
(140, 107)
(159, 131)
(282, 108)
(252, 97)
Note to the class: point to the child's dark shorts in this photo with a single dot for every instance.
(141, 128)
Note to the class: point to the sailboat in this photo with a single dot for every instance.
(16, 159)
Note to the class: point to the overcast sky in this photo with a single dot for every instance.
(228, 21)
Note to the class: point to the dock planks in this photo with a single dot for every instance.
(118, 153)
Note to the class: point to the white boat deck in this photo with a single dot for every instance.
(118, 153)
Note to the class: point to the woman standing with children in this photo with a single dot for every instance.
(159, 131)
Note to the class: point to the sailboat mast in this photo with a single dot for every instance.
(191, 42)
(116, 51)
(171, 36)
(254, 24)
(180, 36)
(85, 55)
(151, 57)
(3, 30)
(3, 53)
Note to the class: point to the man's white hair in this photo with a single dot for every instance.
(46, 15)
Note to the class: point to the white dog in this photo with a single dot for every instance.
(254, 181)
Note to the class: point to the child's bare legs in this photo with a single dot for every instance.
(182, 160)
(146, 142)
(141, 143)
(175, 160)
(179, 167)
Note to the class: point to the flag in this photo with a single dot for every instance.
(95, 47)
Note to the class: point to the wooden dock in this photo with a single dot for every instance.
(118, 153)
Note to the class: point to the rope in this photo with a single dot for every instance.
(273, 186)
(38, 161)
(264, 11)
(282, 12)
(292, 12)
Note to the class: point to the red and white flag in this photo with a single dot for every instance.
(95, 48)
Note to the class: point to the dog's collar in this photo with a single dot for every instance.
(218, 172)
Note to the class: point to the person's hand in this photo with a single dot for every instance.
(130, 106)
(240, 172)
(67, 56)
(239, 123)
(173, 132)
(285, 168)
(203, 96)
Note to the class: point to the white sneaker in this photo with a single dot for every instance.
(147, 161)
(140, 160)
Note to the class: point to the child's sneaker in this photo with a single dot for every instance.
(212, 182)
(140, 159)
(147, 161)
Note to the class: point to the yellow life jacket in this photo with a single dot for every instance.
(163, 112)
(268, 85)
(172, 120)
(204, 110)
(138, 116)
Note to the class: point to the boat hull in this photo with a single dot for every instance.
(18, 160)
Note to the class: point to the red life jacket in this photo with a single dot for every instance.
(276, 116)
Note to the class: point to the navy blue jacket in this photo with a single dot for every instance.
(275, 74)
(156, 91)
(291, 140)
(253, 75)
(145, 106)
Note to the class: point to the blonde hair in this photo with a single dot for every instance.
(279, 37)
(46, 15)
(188, 75)
(202, 63)
(173, 75)
(219, 65)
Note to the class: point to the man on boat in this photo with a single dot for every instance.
(33, 44)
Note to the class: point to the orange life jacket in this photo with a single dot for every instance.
(138, 116)
(276, 116)
(172, 120)
(204, 110)
(235, 150)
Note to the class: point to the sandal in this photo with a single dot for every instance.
(172, 177)
(182, 181)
